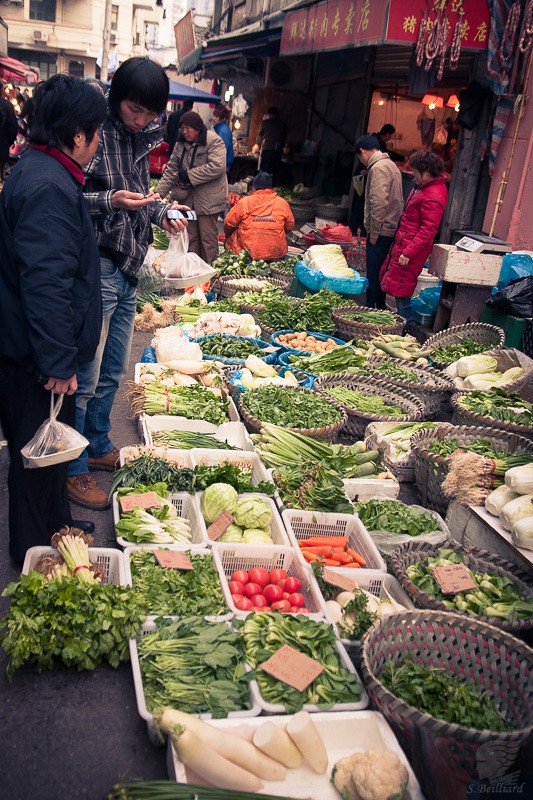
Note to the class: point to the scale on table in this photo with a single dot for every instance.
(481, 243)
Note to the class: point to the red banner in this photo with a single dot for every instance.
(405, 17)
(333, 25)
(184, 33)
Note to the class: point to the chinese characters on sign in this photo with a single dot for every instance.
(184, 33)
(405, 17)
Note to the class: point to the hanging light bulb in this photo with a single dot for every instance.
(227, 97)
(231, 90)
(237, 124)
(381, 102)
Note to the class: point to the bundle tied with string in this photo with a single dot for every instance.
(471, 477)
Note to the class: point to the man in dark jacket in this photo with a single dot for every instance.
(8, 129)
(50, 307)
(272, 135)
(174, 122)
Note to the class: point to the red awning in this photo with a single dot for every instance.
(16, 71)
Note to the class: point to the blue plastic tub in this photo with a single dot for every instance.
(270, 358)
(321, 337)
(236, 389)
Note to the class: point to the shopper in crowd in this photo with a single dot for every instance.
(385, 134)
(196, 175)
(123, 210)
(271, 138)
(383, 206)
(174, 123)
(50, 304)
(220, 116)
(8, 129)
(259, 222)
(416, 230)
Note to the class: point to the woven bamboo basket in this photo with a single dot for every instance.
(227, 289)
(330, 212)
(463, 416)
(358, 420)
(450, 756)
(431, 469)
(281, 275)
(479, 560)
(302, 212)
(348, 328)
(328, 433)
(489, 335)
(431, 385)
(305, 380)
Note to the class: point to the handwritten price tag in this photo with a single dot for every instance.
(172, 559)
(342, 581)
(217, 528)
(145, 500)
(292, 667)
(270, 349)
(453, 579)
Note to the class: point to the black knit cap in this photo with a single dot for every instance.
(192, 120)
(263, 180)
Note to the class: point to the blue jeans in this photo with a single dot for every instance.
(404, 308)
(99, 380)
(375, 256)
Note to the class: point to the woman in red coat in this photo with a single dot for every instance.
(416, 230)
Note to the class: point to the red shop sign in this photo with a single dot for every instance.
(405, 17)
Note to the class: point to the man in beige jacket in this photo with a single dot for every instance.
(383, 208)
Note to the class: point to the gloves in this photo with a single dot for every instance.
(183, 178)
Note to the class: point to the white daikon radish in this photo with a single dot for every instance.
(234, 748)
(343, 598)
(184, 380)
(497, 499)
(277, 744)
(307, 739)
(334, 610)
(188, 367)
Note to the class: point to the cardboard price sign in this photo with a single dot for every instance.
(217, 528)
(145, 500)
(292, 667)
(172, 559)
(341, 581)
(453, 578)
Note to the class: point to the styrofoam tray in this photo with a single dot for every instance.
(180, 458)
(187, 507)
(303, 524)
(234, 433)
(200, 551)
(233, 416)
(363, 488)
(215, 457)
(229, 557)
(277, 528)
(109, 559)
(343, 733)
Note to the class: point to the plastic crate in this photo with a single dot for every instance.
(111, 561)
(186, 507)
(234, 433)
(392, 541)
(304, 524)
(513, 327)
(213, 458)
(150, 627)
(278, 532)
(229, 557)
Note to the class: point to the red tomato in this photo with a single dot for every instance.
(251, 589)
(242, 603)
(236, 587)
(240, 575)
(295, 609)
(259, 601)
(259, 575)
(304, 610)
(292, 585)
(277, 575)
(286, 595)
(280, 605)
(272, 592)
(281, 583)
(296, 599)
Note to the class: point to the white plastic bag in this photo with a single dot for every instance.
(171, 345)
(54, 442)
(176, 262)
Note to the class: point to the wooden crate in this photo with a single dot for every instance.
(460, 266)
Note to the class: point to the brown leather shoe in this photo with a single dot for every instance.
(107, 463)
(83, 491)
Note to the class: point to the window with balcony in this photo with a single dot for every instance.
(44, 10)
(76, 69)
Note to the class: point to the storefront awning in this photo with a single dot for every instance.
(180, 91)
(251, 41)
(190, 62)
(16, 71)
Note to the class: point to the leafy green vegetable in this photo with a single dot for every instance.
(453, 352)
(368, 404)
(170, 790)
(483, 447)
(313, 313)
(148, 469)
(314, 487)
(340, 359)
(392, 370)
(499, 405)
(394, 517)
(229, 263)
(290, 407)
(225, 346)
(186, 440)
(238, 477)
(193, 402)
(371, 317)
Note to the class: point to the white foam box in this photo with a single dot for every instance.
(460, 266)
(343, 733)
(234, 433)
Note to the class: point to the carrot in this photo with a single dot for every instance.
(352, 565)
(309, 557)
(344, 558)
(338, 551)
(320, 551)
(329, 562)
(332, 541)
(357, 557)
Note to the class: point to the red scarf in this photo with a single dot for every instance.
(66, 161)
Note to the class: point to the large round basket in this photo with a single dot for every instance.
(431, 385)
(347, 328)
(282, 275)
(330, 212)
(302, 213)
(490, 336)
(413, 407)
(328, 433)
(451, 758)
(431, 470)
(463, 416)
(269, 358)
(478, 560)
(304, 380)
(227, 287)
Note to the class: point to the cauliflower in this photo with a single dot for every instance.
(374, 775)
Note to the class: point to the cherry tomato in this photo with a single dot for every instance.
(251, 589)
(240, 575)
(272, 592)
(259, 601)
(242, 603)
(258, 575)
(277, 575)
(292, 585)
(280, 605)
(236, 587)
(296, 599)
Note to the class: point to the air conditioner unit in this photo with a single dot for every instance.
(288, 74)
(113, 38)
(40, 36)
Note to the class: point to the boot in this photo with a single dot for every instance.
(83, 491)
(107, 463)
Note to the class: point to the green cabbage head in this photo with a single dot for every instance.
(252, 512)
(217, 498)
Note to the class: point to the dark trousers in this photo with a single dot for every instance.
(38, 498)
(375, 256)
(271, 162)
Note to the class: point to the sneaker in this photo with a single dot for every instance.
(107, 463)
(83, 491)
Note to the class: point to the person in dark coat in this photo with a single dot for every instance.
(50, 306)
(8, 129)
(271, 137)
(416, 231)
(174, 123)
